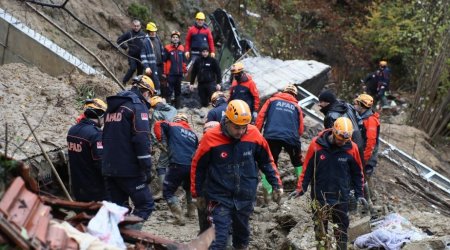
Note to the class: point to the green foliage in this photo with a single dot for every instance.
(84, 92)
(139, 12)
(402, 30)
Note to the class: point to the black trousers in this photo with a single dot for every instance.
(205, 91)
(294, 151)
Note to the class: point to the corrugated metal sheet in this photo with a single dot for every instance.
(26, 220)
(272, 75)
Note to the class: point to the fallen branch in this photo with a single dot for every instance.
(48, 159)
(76, 41)
(427, 196)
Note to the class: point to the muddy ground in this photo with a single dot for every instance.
(52, 105)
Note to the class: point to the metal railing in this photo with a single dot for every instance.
(391, 152)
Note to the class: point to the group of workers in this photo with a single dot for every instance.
(167, 65)
(240, 142)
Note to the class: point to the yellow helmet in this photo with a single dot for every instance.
(238, 112)
(94, 108)
(144, 82)
(210, 125)
(343, 129)
(200, 15)
(155, 100)
(180, 117)
(151, 26)
(365, 100)
(237, 68)
(291, 89)
(216, 95)
(383, 63)
(95, 104)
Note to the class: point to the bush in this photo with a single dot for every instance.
(139, 12)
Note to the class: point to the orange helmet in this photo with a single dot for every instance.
(210, 125)
(291, 89)
(94, 108)
(215, 96)
(95, 104)
(343, 129)
(175, 33)
(144, 82)
(155, 100)
(237, 68)
(238, 112)
(365, 100)
(383, 63)
(180, 117)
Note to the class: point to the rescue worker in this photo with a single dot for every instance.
(371, 84)
(199, 36)
(126, 141)
(384, 78)
(152, 54)
(370, 134)
(244, 88)
(209, 125)
(207, 71)
(160, 111)
(84, 143)
(174, 68)
(224, 174)
(132, 42)
(219, 103)
(181, 145)
(331, 164)
(333, 108)
(281, 122)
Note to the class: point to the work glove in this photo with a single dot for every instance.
(213, 55)
(277, 193)
(187, 55)
(200, 202)
(218, 87)
(296, 194)
(368, 170)
(148, 177)
(363, 202)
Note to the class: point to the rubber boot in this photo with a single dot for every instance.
(176, 211)
(298, 171)
(267, 196)
(177, 102)
(342, 245)
(367, 195)
(159, 194)
(267, 189)
(191, 210)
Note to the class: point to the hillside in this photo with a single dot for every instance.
(52, 105)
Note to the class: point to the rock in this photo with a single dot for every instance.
(358, 227)
(434, 244)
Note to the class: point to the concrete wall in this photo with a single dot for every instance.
(20, 44)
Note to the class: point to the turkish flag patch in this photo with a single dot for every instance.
(144, 116)
(322, 157)
(99, 145)
(223, 154)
